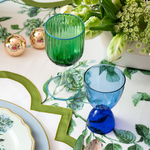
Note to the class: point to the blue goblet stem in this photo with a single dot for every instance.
(101, 121)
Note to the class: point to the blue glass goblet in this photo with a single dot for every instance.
(104, 85)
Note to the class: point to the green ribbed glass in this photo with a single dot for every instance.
(64, 41)
(64, 44)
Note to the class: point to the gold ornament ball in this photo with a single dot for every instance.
(15, 45)
(37, 38)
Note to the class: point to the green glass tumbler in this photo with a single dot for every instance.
(64, 44)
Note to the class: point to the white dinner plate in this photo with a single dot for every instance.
(15, 134)
(38, 132)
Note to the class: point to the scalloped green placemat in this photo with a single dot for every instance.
(66, 114)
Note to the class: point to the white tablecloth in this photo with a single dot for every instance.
(36, 66)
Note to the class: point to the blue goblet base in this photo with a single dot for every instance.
(101, 121)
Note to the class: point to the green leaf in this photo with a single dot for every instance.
(106, 24)
(135, 147)
(15, 27)
(112, 76)
(5, 18)
(55, 104)
(104, 61)
(110, 8)
(142, 130)
(77, 2)
(123, 2)
(83, 63)
(140, 96)
(101, 9)
(100, 139)
(79, 143)
(1, 140)
(145, 96)
(70, 130)
(123, 136)
(140, 140)
(85, 132)
(92, 61)
(106, 21)
(101, 69)
(45, 90)
(90, 14)
(147, 140)
(136, 98)
(129, 71)
(146, 72)
(88, 139)
(71, 126)
(113, 146)
(102, 28)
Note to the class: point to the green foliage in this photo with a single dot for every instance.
(104, 61)
(3, 34)
(79, 143)
(85, 132)
(90, 2)
(31, 11)
(55, 104)
(135, 147)
(4, 18)
(78, 102)
(5, 123)
(139, 96)
(15, 27)
(77, 2)
(45, 90)
(147, 140)
(128, 137)
(146, 72)
(142, 130)
(31, 24)
(107, 24)
(129, 71)
(99, 139)
(88, 139)
(123, 136)
(111, 75)
(110, 8)
(71, 126)
(113, 146)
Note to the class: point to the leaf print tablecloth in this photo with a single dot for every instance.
(65, 122)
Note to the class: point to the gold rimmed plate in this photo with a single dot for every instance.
(15, 134)
(38, 132)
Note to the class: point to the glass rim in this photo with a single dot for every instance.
(64, 38)
(105, 65)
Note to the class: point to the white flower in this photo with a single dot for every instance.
(66, 9)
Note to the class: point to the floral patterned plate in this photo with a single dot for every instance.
(15, 134)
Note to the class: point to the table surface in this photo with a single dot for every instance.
(131, 112)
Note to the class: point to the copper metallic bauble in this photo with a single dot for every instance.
(15, 45)
(95, 144)
(37, 38)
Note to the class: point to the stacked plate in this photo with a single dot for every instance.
(15, 134)
(20, 130)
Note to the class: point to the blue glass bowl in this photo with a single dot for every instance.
(104, 85)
